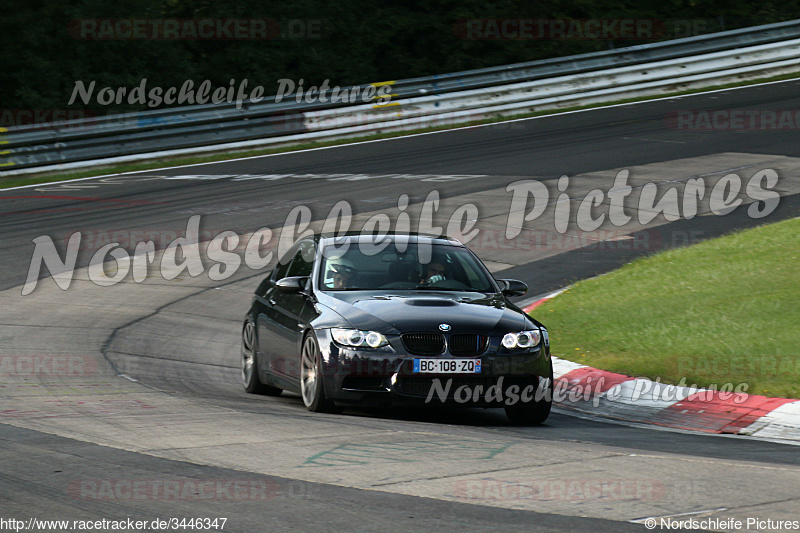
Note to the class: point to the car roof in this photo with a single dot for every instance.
(411, 238)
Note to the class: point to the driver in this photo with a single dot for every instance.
(435, 271)
(344, 272)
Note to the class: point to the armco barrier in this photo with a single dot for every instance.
(632, 55)
(573, 89)
(446, 99)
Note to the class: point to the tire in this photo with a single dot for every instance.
(535, 412)
(312, 386)
(249, 361)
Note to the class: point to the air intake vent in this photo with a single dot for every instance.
(420, 386)
(468, 344)
(423, 343)
(431, 303)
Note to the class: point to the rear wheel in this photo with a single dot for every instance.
(535, 412)
(312, 387)
(250, 380)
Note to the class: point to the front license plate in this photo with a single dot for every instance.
(447, 366)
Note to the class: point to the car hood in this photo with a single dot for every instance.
(425, 311)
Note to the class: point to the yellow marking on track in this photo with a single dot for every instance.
(382, 83)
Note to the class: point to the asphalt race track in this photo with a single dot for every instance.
(123, 401)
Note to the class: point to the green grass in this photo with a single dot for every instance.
(53, 176)
(722, 311)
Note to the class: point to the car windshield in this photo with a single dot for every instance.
(411, 266)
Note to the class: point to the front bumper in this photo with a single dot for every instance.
(385, 376)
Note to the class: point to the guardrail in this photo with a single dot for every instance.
(565, 91)
(443, 99)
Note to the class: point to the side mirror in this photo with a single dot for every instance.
(512, 287)
(292, 285)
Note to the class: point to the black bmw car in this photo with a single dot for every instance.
(398, 320)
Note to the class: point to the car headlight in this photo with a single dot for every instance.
(357, 338)
(523, 339)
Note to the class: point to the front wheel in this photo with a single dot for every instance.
(312, 388)
(536, 411)
(250, 380)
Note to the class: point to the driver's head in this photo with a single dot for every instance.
(343, 271)
(435, 268)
